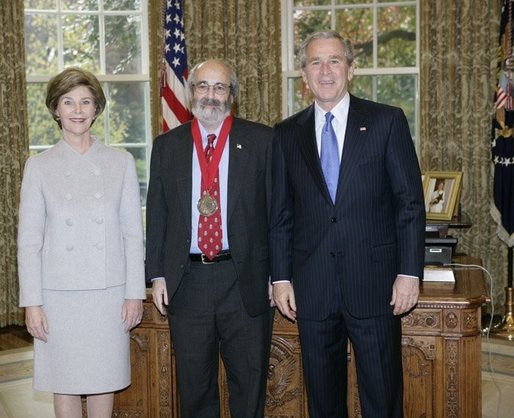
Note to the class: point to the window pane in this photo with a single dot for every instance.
(79, 4)
(298, 95)
(362, 86)
(42, 128)
(397, 36)
(357, 26)
(399, 90)
(127, 113)
(122, 4)
(139, 154)
(306, 22)
(122, 45)
(41, 55)
(81, 42)
(98, 128)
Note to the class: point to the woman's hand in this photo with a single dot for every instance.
(132, 313)
(35, 320)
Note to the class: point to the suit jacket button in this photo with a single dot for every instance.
(68, 196)
(69, 248)
(69, 222)
(333, 220)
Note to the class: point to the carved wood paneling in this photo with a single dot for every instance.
(440, 354)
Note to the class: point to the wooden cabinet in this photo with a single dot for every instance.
(441, 360)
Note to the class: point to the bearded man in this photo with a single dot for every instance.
(207, 247)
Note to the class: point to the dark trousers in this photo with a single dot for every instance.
(377, 347)
(207, 319)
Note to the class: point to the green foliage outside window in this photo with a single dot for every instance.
(107, 44)
(383, 35)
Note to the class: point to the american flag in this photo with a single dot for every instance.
(174, 68)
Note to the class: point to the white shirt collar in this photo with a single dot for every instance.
(340, 111)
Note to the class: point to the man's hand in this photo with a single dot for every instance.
(283, 295)
(270, 295)
(405, 294)
(160, 295)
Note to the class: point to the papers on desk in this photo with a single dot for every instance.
(438, 274)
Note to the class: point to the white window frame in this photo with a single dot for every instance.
(288, 64)
(102, 77)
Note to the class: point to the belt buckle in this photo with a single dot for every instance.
(205, 260)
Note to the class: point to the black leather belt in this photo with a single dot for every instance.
(222, 256)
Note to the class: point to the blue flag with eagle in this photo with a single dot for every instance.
(502, 147)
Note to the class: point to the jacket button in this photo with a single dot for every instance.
(69, 248)
(99, 245)
(67, 173)
(99, 221)
(69, 222)
(98, 195)
(68, 196)
(333, 220)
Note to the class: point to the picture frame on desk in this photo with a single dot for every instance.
(442, 194)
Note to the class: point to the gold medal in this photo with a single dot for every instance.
(207, 205)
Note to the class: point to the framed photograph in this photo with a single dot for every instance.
(442, 193)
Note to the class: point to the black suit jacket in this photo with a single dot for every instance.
(352, 249)
(168, 223)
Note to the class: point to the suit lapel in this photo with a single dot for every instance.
(357, 128)
(309, 149)
(182, 163)
(240, 149)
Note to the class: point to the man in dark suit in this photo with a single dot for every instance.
(346, 233)
(207, 247)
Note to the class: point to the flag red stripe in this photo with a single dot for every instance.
(175, 105)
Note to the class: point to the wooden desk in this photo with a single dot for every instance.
(441, 360)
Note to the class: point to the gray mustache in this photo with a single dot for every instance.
(205, 101)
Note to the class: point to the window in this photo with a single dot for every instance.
(108, 38)
(384, 36)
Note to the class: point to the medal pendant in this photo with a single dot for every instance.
(207, 205)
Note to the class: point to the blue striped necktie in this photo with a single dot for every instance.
(330, 155)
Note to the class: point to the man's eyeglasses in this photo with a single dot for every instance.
(219, 89)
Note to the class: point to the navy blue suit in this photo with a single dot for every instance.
(343, 258)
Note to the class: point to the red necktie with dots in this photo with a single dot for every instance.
(209, 227)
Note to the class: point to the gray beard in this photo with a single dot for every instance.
(211, 115)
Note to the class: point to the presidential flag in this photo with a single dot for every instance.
(174, 68)
(502, 131)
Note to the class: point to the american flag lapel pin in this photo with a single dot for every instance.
(239, 146)
(363, 129)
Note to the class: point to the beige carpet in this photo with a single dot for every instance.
(17, 398)
(497, 378)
